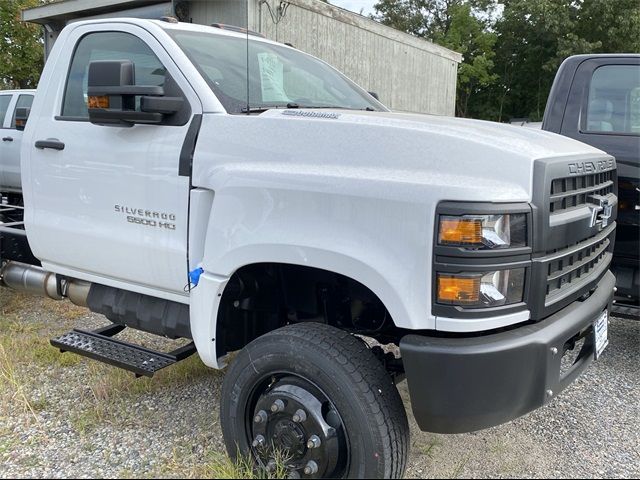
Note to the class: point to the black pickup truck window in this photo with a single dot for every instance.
(614, 100)
(107, 46)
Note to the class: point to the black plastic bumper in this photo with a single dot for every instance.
(460, 385)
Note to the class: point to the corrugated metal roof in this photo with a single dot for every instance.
(65, 10)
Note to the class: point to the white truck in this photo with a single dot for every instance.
(10, 102)
(199, 183)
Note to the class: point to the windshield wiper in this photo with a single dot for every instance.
(331, 107)
(264, 108)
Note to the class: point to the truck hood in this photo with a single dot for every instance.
(529, 143)
(378, 153)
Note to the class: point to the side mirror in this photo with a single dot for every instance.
(22, 115)
(115, 99)
(374, 95)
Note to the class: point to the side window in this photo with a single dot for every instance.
(108, 46)
(614, 100)
(24, 101)
(4, 106)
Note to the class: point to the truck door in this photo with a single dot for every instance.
(7, 138)
(11, 160)
(107, 203)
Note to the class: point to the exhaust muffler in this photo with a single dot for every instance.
(37, 281)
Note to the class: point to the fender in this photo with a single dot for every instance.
(205, 298)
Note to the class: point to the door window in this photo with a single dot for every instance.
(24, 101)
(107, 46)
(614, 100)
(4, 106)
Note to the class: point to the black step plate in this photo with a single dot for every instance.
(134, 358)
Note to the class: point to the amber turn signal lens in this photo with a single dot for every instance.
(458, 290)
(99, 102)
(460, 231)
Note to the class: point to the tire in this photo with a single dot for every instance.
(305, 365)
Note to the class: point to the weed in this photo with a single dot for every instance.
(429, 450)
(457, 471)
(219, 465)
(11, 384)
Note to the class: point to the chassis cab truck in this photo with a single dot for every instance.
(201, 183)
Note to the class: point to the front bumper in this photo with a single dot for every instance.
(460, 385)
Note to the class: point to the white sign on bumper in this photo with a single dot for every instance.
(600, 330)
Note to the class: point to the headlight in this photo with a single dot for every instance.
(476, 232)
(483, 289)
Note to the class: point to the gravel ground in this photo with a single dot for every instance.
(62, 416)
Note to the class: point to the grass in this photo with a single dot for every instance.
(108, 383)
(218, 465)
(11, 385)
(7, 444)
(102, 395)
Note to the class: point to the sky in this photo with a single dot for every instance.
(355, 5)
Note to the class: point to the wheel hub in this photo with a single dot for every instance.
(289, 437)
(295, 423)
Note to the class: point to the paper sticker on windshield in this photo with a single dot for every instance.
(271, 78)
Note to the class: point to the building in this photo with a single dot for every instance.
(408, 73)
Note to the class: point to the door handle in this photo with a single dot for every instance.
(7, 139)
(52, 143)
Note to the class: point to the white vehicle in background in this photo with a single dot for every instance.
(200, 183)
(11, 130)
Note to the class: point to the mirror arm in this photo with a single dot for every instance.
(164, 105)
(99, 91)
(106, 116)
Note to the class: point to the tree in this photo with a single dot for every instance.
(535, 36)
(461, 25)
(21, 46)
(510, 59)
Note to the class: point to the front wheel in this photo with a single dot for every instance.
(317, 399)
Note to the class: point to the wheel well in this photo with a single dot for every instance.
(262, 297)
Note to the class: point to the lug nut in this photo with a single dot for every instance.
(260, 417)
(311, 468)
(299, 416)
(271, 466)
(277, 406)
(554, 350)
(259, 441)
(293, 474)
(314, 442)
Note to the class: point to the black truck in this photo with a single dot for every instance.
(596, 99)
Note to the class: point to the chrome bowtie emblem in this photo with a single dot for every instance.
(601, 210)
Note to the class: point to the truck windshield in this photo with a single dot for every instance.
(277, 77)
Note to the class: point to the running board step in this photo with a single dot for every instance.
(99, 345)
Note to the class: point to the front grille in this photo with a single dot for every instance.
(571, 266)
(570, 192)
(573, 237)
